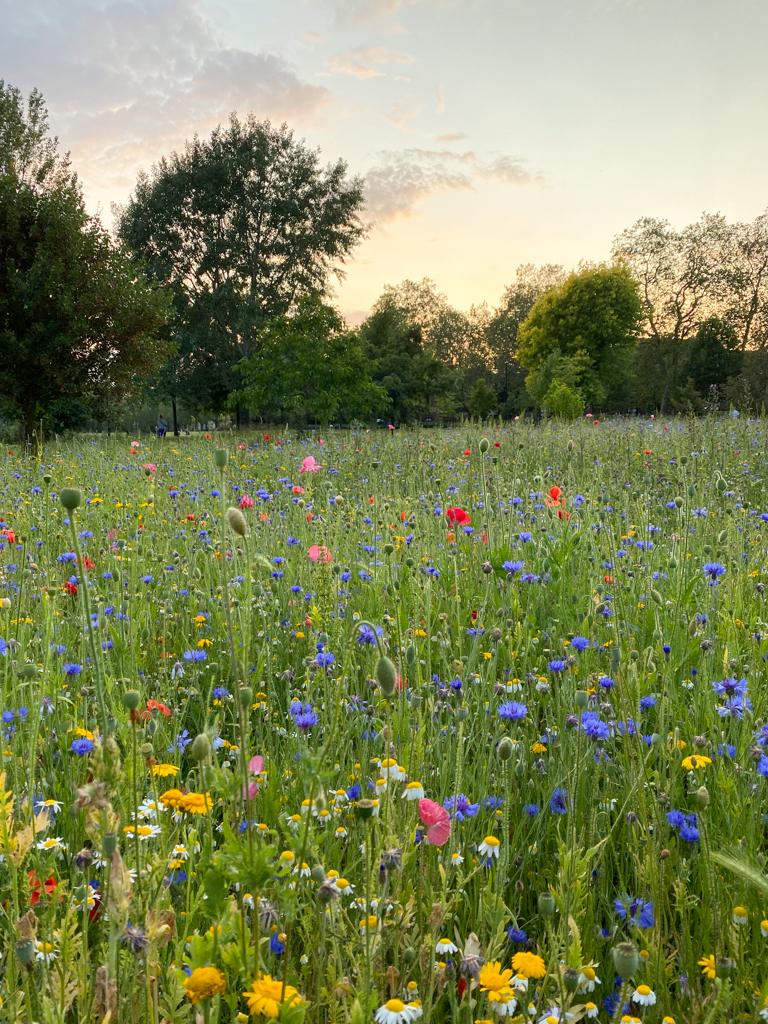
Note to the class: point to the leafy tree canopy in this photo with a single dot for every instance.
(308, 366)
(240, 226)
(75, 323)
(593, 314)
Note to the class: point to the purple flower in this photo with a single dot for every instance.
(556, 665)
(579, 643)
(82, 746)
(594, 727)
(731, 687)
(194, 655)
(689, 833)
(557, 803)
(509, 566)
(512, 710)
(71, 669)
(714, 570)
(460, 808)
(325, 659)
(367, 635)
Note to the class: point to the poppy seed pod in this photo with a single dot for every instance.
(546, 904)
(386, 675)
(220, 458)
(70, 498)
(484, 445)
(505, 748)
(131, 699)
(25, 951)
(201, 747)
(626, 959)
(236, 521)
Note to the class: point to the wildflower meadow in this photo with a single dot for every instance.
(459, 725)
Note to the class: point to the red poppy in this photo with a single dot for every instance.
(191, 518)
(207, 437)
(154, 705)
(71, 588)
(265, 437)
(458, 516)
(462, 988)
(554, 493)
(467, 451)
(647, 451)
(497, 444)
(607, 579)
(35, 886)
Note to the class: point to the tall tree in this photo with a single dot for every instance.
(413, 379)
(308, 366)
(76, 325)
(593, 317)
(240, 226)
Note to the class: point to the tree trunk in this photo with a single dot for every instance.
(175, 419)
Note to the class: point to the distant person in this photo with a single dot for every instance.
(162, 426)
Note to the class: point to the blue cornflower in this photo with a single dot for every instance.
(516, 935)
(275, 945)
(556, 665)
(525, 537)
(182, 740)
(346, 576)
(734, 707)
(557, 803)
(714, 570)
(637, 911)
(460, 808)
(676, 819)
(533, 809)
(325, 659)
(221, 693)
(367, 635)
(529, 577)
(71, 669)
(194, 655)
(512, 710)
(510, 566)
(147, 579)
(594, 727)
(647, 702)
(762, 766)
(689, 833)
(82, 746)
(731, 687)
(580, 643)
(607, 683)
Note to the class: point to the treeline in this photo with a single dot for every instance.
(214, 294)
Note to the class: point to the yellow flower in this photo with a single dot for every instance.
(538, 748)
(529, 965)
(695, 761)
(707, 964)
(163, 770)
(172, 798)
(196, 803)
(496, 982)
(204, 983)
(267, 995)
(205, 643)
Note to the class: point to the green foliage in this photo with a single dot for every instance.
(482, 399)
(413, 379)
(75, 324)
(309, 367)
(593, 315)
(563, 401)
(239, 226)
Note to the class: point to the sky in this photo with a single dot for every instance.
(490, 133)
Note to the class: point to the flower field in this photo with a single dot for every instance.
(443, 725)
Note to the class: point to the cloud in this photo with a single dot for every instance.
(404, 179)
(440, 101)
(451, 137)
(358, 62)
(357, 12)
(128, 80)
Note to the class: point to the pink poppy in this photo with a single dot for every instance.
(150, 466)
(309, 465)
(245, 502)
(438, 821)
(319, 553)
(255, 767)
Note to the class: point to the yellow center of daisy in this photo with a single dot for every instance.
(739, 911)
(644, 990)
(395, 1005)
(589, 973)
(492, 841)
